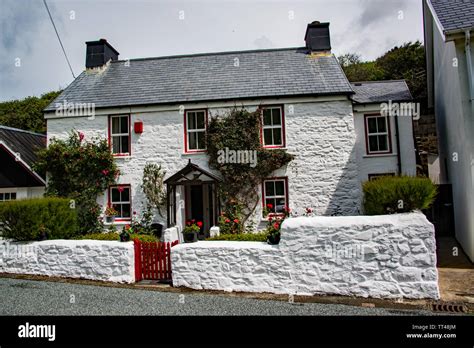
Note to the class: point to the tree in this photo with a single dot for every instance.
(26, 113)
(153, 186)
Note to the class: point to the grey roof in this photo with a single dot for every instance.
(454, 14)
(380, 91)
(23, 142)
(206, 77)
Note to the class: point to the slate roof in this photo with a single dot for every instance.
(23, 142)
(207, 77)
(454, 14)
(381, 91)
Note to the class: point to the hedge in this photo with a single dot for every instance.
(249, 237)
(398, 194)
(29, 219)
(116, 236)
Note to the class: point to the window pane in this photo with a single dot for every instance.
(372, 125)
(191, 120)
(383, 143)
(373, 145)
(7, 196)
(118, 208)
(116, 144)
(115, 125)
(192, 141)
(124, 124)
(1, 196)
(267, 137)
(267, 117)
(200, 141)
(382, 126)
(200, 120)
(126, 210)
(280, 204)
(13, 195)
(277, 136)
(276, 116)
(269, 188)
(115, 194)
(124, 141)
(125, 195)
(280, 188)
(272, 202)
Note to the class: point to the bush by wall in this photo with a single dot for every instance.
(30, 219)
(248, 237)
(397, 194)
(116, 236)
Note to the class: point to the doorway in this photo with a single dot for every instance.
(200, 206)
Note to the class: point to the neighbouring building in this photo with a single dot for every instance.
(17, 154)
(449, 28)
(157, 109)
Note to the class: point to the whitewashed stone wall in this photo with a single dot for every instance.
(388, 256)
(87, 259)
(320, 133)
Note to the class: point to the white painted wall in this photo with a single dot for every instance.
(25, 192)
(386, 256)
(87, 259)
(455, 126)
(319, 132)
(386, 163)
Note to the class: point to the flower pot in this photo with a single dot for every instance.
(190, 237)
(273, 239)
(110, 219)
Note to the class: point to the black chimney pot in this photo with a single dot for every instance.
(317, 37)
(99, 52)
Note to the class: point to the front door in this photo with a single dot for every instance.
(201, 206)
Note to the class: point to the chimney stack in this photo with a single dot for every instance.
(317, 37)
(99, 52)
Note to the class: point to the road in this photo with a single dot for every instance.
(30, 297)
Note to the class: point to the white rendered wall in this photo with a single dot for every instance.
(387, 256)
(86, 259)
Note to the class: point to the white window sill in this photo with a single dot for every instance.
(380, 155)
(125, 158)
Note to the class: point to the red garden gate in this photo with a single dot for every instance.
(153, 260)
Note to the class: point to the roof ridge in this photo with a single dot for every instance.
(210, 54)
(21, 130)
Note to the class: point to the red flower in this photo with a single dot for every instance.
(286, 209)
(134, 213)
(309, 210)
(199, 223)
(193, 220)
(127, 227)
(105, 172)
(236, 221)
(276, 225)
(188, 222)
(270, 206)
(120, 188)
(227, 220)
(81, 136)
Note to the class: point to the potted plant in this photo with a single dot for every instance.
(191, 230)
(110, 214)
(125, 234)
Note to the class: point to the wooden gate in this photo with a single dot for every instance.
(153, 260)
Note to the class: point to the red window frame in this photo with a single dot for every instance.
(389, 135)
(283, 130)
(129, 153)
(109, 201)
(186, 150)
(279, 178)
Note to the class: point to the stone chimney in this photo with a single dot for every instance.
(317, 37)
(98, 53)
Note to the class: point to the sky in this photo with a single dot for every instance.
(32, 62)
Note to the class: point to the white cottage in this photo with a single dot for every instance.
(157, 109)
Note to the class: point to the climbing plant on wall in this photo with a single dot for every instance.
(79, 170)
(239, 130)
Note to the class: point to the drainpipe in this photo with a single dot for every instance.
(399, 155)
(470, 77)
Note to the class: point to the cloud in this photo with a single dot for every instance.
(263, 42)
(375, 13)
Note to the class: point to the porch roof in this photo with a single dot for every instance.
(180, 177)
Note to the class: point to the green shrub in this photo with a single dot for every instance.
(241, 237)
(116, 236)
(28, 219)
(397, 194)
